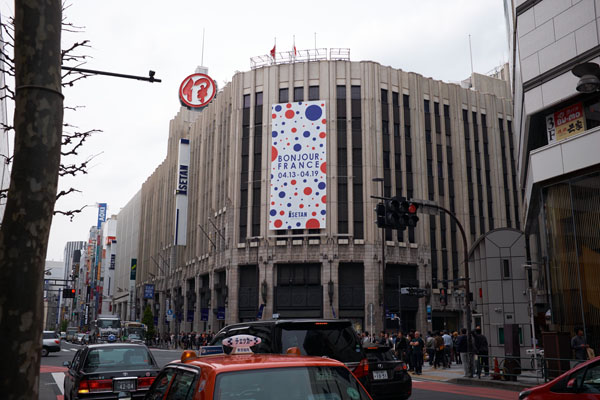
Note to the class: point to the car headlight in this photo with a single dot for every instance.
(523, 395)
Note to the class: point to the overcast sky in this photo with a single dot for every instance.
(430, 37)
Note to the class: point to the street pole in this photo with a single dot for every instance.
(527, 268)
(467, 279)
(399, 302)
(382, 286)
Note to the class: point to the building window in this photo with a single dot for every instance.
(284, 95)
(505, 269)
(298, 94)
(313, 93)
(342, 160)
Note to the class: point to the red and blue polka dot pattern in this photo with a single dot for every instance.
(298, 166)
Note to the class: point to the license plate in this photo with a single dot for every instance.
(380, 375)
(125, 385)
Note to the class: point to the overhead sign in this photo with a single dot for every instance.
(197, 90)
(565, 123)
(298, 166)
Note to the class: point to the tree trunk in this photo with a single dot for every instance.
(32, 193)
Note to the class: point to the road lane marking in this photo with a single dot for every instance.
(59, 378)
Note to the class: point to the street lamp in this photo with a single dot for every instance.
(590, 77)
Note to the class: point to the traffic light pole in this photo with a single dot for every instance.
(467, 280)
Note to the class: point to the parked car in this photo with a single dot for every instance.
(335, 339)
(50, 343)
(102, 371)
(256, 376)
(581, 382)
(388, 377)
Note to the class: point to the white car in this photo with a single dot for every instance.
(50, 343)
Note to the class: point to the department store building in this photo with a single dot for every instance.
(429, 140)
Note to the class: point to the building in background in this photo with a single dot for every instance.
(500, 286)
(53, 290)
(128, 234)
(426, 139)
(72, 256)
(557, 127)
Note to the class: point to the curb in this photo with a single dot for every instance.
(514, 386)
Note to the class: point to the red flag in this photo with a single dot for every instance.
(273, 52)
(295, 50)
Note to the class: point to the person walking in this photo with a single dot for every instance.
(481, 349)
(430, 347)
(401, 347)
(462, 349)
(579, 345)
(417, 346)
(439, 350)
(447, 349)
(454, 351)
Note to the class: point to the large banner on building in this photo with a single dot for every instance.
(181, 193)
(298, 166)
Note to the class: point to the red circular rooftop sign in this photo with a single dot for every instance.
(197, 90)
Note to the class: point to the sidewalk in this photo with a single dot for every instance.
(455, 375)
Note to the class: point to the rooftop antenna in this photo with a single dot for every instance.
(202, 59)
(471, 54)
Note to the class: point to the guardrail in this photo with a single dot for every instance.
(538, 369)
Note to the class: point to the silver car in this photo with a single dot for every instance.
(50, 343)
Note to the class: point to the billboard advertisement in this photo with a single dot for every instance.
(298, 193)
(565, 123)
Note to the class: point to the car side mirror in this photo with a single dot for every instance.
(572, 384)
(67, 363)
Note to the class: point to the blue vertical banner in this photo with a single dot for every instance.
(204, 314)
(101, 214)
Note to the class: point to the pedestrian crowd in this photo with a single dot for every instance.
(440, 349)
(183, 340)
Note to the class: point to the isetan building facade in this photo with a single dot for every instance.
(426, 139)
(557, 122)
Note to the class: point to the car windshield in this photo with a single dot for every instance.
(109, 323)
(322, 340)
(117, 358)
(297, 383)
(50, 335)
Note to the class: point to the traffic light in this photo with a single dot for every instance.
(68, 293)
(443, 297)
(380, 212)
(411, 214)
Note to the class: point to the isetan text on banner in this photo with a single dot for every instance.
(298, 166)
(181, 191)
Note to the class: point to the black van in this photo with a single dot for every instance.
(335, 339)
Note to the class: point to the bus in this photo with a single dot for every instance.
(134, 331)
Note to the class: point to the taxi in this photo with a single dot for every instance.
(243, 375)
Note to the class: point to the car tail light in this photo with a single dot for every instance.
(401, 367)
(56, 341)
(100, 385)
(362, 370)
(145, 382)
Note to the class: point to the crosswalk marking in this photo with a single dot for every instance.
(59, 378)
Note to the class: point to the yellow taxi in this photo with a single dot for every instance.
(243, 375)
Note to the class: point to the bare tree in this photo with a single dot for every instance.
(32, 193)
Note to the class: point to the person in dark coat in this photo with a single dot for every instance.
(481, 349)
(417, 344)
(401, 347)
